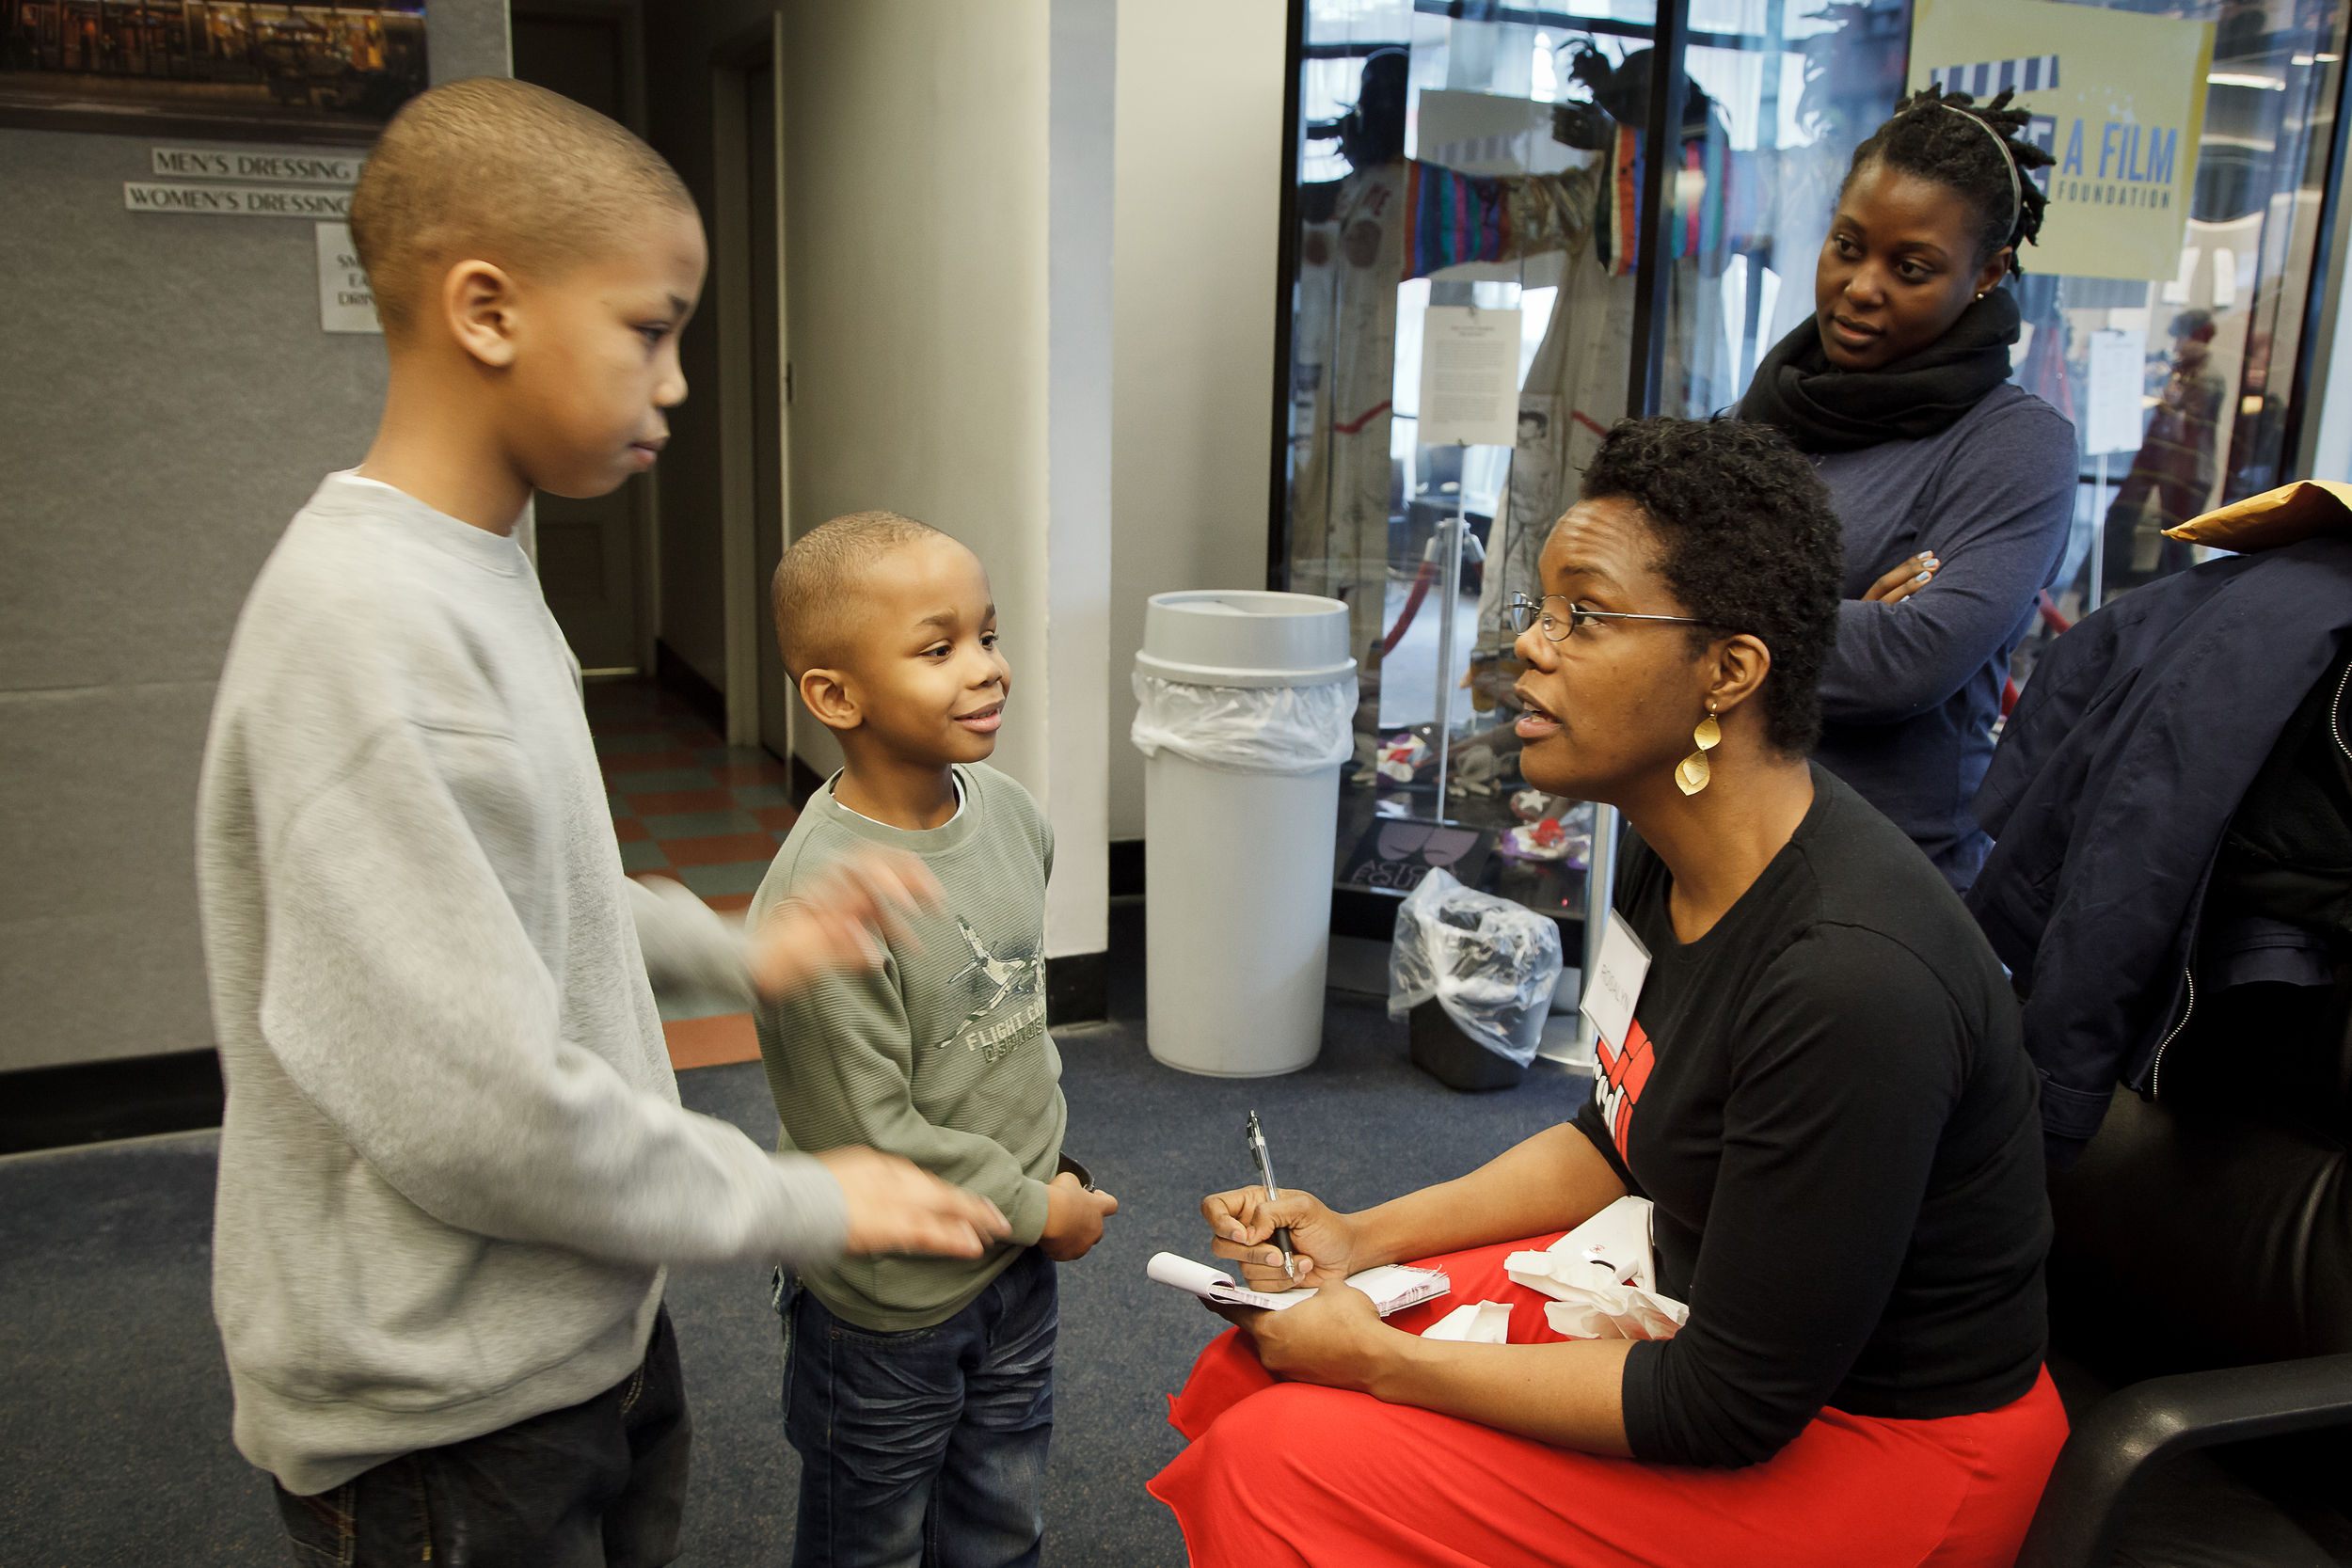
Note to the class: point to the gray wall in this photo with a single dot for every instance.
(1200, 155)
(168, 402)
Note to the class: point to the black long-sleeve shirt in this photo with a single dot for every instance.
(1827, 1098)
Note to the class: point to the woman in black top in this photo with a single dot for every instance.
(1821, 1090)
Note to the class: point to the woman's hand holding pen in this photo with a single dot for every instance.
(1322, 1243)
(1336, 1338)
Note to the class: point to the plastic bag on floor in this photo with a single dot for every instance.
(1247, 728)
(1489, 962)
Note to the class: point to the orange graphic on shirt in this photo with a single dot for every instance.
(1624, 1072)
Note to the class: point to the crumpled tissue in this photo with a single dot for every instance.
(1485, 1323)
(1602, 1278)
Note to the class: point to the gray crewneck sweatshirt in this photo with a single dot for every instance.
(453, 1163)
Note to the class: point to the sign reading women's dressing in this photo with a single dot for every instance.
(2118, 99)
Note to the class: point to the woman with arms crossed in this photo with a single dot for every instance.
(1937, 466)
(1823, 1091)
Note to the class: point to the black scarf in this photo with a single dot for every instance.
(1822, 409)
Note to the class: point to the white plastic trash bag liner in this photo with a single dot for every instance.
(1282, 730)
(1489, 962)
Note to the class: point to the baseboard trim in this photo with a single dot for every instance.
(1077, 988)
(127, 1097)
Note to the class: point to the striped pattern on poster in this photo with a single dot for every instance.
(2032, 73)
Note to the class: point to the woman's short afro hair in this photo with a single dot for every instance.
(1748, 542)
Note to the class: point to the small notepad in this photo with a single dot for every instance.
(1393, 1286)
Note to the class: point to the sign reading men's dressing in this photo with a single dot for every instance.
(2118, 99)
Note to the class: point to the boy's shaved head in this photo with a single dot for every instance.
(815, 588)
(500, 171)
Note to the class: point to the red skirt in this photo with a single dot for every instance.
(1290, 1473)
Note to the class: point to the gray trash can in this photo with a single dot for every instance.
(1245, 712)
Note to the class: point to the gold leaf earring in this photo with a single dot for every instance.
(1691, 775)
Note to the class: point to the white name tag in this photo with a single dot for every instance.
(1615, 984)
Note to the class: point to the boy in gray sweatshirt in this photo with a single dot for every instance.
(453, 1163)
(918, 1391)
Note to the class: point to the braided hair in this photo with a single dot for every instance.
(1928, 135)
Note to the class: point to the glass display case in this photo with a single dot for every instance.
(1464, 161)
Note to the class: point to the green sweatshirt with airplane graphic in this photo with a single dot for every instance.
(941, 1054)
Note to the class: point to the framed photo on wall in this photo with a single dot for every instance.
(328, 74)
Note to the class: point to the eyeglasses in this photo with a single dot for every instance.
(1564, 622)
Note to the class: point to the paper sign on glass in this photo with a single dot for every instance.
(1470, 377)
(1617, 982)
(2118, 371)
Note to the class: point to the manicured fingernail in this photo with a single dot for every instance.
(1923, 576)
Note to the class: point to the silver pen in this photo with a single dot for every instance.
(1256, 1135)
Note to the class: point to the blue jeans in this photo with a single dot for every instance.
(599, 1484)
(926, 1446)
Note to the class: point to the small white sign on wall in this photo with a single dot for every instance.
(346, 302)
(1470, 377)
(300, 168)
(245, 201)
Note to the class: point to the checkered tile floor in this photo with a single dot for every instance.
(686, 804)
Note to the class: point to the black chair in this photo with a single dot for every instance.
(2201, 1284)
(2195, 1239)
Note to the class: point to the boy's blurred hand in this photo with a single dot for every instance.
(832, 924)
(1074, 1218)
(896, 1206)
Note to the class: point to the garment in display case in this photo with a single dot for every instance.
(1458, 153)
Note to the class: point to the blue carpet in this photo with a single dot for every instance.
(116, 1411)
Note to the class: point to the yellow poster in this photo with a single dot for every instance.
(2117, 98)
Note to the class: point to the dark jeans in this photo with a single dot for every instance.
(926, 1446)
(599, 1485)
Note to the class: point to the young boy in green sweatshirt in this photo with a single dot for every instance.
(918, 1391)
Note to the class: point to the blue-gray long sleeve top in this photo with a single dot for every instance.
(1909, 700)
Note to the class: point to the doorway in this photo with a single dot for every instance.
(768, 393)
(750, 416)
(595, 555)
